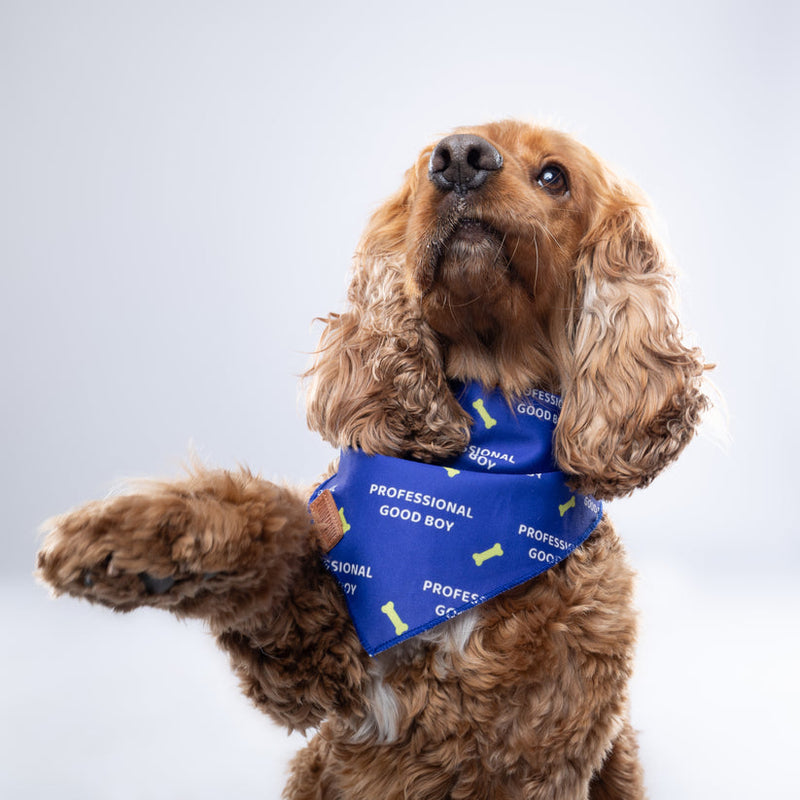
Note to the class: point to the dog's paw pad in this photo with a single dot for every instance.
(155, 585)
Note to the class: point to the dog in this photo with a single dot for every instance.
(512, 259)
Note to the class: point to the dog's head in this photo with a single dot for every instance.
(512, 256)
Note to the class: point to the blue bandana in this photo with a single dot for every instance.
(414, 544)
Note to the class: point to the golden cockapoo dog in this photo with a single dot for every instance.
(511, 257)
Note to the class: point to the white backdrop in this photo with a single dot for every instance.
(181, 187)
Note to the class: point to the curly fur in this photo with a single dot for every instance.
(511, 282)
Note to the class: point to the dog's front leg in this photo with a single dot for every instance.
(235, 550)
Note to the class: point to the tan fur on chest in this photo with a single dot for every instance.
(529, 635)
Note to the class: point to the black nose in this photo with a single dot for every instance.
(462, 162)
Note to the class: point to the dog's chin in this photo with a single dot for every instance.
(471, 288)
(471, 260)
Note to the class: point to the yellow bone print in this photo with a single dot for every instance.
(564, 507)
(479, 558)
(488, 420)
(399, 625)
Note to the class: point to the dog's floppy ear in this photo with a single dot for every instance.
(377, 380)
(631, 390)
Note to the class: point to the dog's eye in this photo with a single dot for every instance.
(553, 180)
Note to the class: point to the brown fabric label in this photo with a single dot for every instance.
(327, 520)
